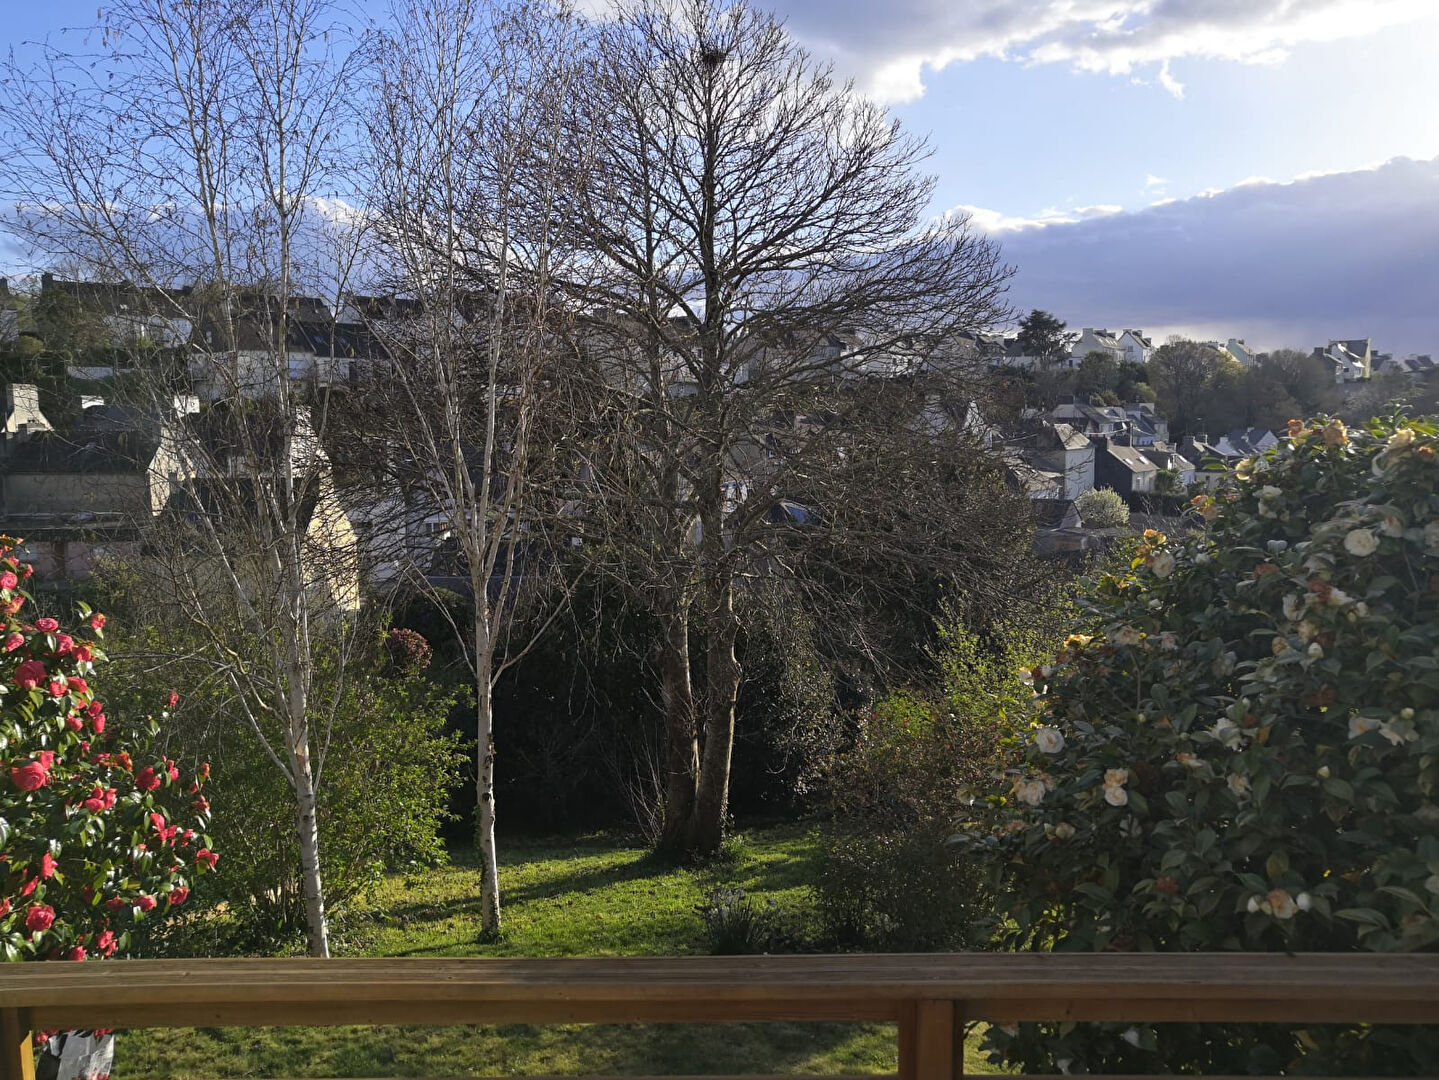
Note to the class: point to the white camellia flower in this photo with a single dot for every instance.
(1269, 491)
(1360, 725)
(1049, 739)
(1316, 651)
(1303, 902)
(1029, 792)
(1361, 542)
(1116, 796)
(1163, 564)
(1253, 906)
(1188, 760)
(1228, 732)
(1391, 526)
(1169, 641)
(1339, 598)
(1431, 884)
(1238, 784)
(1125, 635)
(1131, 1036)
(1293, 607)
(1064, 830)
(1281, 904)
(1115, 777)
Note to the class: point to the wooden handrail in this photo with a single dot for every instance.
(930, 996)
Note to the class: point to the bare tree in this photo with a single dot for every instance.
(190, 162)
(769, 327)
(470, 153)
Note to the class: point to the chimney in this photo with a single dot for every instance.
(47, 281)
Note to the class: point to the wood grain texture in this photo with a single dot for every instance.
(17, 1047)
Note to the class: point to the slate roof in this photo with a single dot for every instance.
(1131, 457)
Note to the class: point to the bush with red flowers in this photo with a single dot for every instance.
(97, 839)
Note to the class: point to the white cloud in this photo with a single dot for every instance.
(1152, 181)
(1169, 82)
(889, 45)
(1350, 254)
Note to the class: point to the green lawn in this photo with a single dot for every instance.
(586, 897)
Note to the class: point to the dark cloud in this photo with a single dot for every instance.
(1349, 254)
(887, 45)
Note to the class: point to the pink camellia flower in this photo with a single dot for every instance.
(146, 780)
(47, 625)
(39, 917)
(174, 699)
(206, 857)
(78, 685)
(82, 654)
(96, 802)
(47, 865)
(97, 621)
(171, 770)
(4, 907)
(26, 570)
(64, 644)
(145, 903)
(13, 641)
(203, 772)
(58, 688)
(12, 606)
(94, 709)
(178, 895)
(114, 904)
(98, 723)
(29, 674)
(73, 722)
(31, 776)
(202, 804)
(29, 886)
(106, 943)
(77, 953)
(8, 580)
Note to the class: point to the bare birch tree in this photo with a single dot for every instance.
(772, 326)
(189, 161)
(470, 153)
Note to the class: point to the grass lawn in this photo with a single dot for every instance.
(585, 897)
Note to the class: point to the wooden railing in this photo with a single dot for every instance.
(931, 997)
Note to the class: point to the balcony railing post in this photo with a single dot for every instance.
(931, 1041)
(17, 1046)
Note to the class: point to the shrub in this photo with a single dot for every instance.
(888, 880)
(1242, 752)
(1102, 508)
(100, 839)
(385, 761)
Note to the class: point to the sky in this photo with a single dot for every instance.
(1261, 169)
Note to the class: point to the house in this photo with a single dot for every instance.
(1146, 426)
(23, 417)
(1351, 360)
(1123, 467)
(1237, 348)
(1064, 453)
(1169, 460)
(1249, 442)
(1137, 348)
(75, 499)
(1090, 419)
(1092, 340)
(1213, 461)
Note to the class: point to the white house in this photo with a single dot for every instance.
(1137, 347)
(1352, 360)
(1092, 340)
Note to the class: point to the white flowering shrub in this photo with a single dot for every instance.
(1102, 508)
(1243, 753)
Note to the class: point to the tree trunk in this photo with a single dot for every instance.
(485, 788)
(722, 677)
(682, 753)
(307, 826)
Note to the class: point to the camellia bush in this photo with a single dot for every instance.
(1242, 753)
(98, 839)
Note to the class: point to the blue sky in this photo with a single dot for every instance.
(1059, 124)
